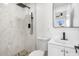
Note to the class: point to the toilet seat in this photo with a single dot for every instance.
(37, 53)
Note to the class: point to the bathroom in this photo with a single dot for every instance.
(31, 29)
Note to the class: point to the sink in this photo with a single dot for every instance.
(62, 41)
(67, 43)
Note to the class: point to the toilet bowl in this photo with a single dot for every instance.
(41, 47)
(37, 53)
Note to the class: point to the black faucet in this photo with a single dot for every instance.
(64, 36)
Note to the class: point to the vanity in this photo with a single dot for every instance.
(61, 49)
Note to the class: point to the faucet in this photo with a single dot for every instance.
(64, 36)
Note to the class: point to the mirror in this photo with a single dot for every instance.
(65, 15)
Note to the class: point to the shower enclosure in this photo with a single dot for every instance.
(17, 28)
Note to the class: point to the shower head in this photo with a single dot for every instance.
(22, 5)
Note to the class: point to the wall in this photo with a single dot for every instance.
(45, 27)
(44, 16)
(14, 34)
(76, 9)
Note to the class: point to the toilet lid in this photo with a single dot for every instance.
(37, 53)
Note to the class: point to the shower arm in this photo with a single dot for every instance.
(31, 23)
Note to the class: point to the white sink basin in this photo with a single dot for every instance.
(62, 41)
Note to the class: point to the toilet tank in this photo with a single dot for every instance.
(42, 43)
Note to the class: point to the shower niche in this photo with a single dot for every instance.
(65, 15)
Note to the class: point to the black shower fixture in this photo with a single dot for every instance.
(22, 5)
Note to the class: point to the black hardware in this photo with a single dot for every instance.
(31, 15)
(64, 36)
(32, 23)
(29, 25)
(76, 48)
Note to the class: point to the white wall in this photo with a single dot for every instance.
(14, 34)
(76, 18)
(44, 16)
(44, 24)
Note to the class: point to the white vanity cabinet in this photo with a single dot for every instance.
(57, 50)
(54, 50)
(70, 52)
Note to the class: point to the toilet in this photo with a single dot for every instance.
(37, 53)
(41, 47)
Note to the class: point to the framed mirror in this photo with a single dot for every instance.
(65, 15)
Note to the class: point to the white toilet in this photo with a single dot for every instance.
(37, 53)
(41, 47)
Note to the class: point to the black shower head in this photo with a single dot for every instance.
(22, 5)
